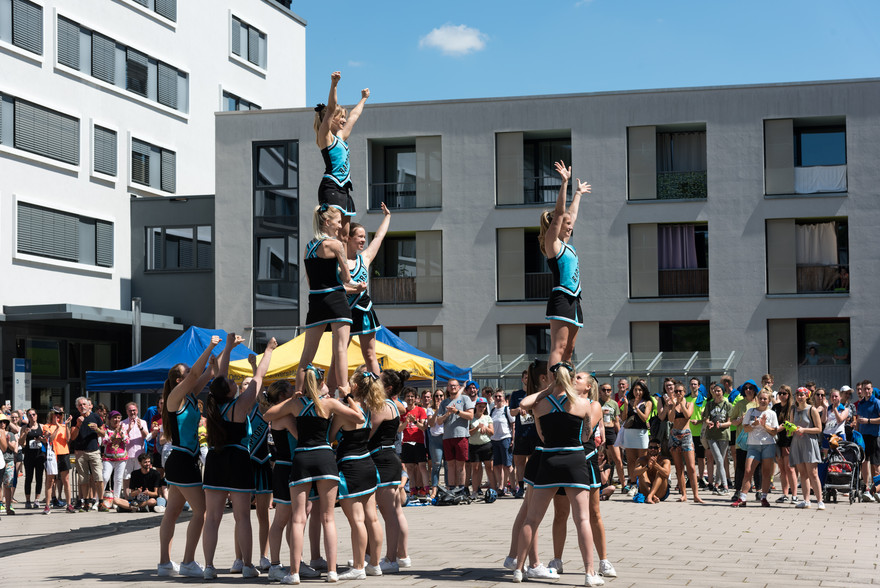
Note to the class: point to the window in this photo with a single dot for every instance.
(408, 269)
(684, 337)
(805, 155)
(669, 260)
(232, 102)
(166, 8)
(426, 339)
(807, 256)
(153, 166)
(523, 273)
(667, 162)
(540, 181)
(179, 248)
(64, 236)
(105, 59)
(21, 23)
(276, 233)
(820, 146)
(406, 173)
(105, 151)
(248, 42)
(39, 130)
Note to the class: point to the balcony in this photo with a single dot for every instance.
(541, 190)
(825, 375)
(396, 290)
(395, 195)
(681, 185)
(683, 282)
(817, 279)
(538, 285)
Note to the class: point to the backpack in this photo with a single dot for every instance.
(446, 498)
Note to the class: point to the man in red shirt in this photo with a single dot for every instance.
(414, 454)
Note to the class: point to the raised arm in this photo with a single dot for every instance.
(372, 249)
(354, 114)
(249, 395)
(335, 247)
(192, 379)
(324, 138)
(582, 188)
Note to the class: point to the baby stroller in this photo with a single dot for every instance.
(843, 463)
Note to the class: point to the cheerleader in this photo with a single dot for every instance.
(363, 316)
(564, 305)
(560, 413)
(284, 435)
(332, 129)
(180, 418)
(228, 465)
(358, 476)
(313, 464)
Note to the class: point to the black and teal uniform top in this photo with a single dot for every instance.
(337, 167)
(360, 273)
(321, 272)
(259, 439)
(184, 426)
(565, 270)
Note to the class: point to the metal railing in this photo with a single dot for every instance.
(394, 290)
(683, 282)
(813, 279)
(538, 285)
(681, 185)
(393, 194)
(542, 190)
(825, 376)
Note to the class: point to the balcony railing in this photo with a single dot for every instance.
(683, 282)
(393, 290)
(681, 185)
(393, 194)
(542, 190)
(814, 279)
(538, 285)
(825, 375)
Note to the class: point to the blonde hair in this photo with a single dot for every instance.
(310, 389)
(369, 390)
(323, 213)
(321, 113)
(546, 221)
(563, 372)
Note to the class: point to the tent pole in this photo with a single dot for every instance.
(136, 341)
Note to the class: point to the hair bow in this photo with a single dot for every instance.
(319, 373)
(371, 375)
(564, 364)
(324, 207)
(321, 106)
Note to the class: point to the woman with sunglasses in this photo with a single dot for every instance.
(34, 458)
(434, 440)
(681, 441)
(787, 474)
(805, 455)
(502, 459)
(747, 401)
(636, 413)
(57, 435)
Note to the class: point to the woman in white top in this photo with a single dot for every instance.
(502, 459)
(434, 440)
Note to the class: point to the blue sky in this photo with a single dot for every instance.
(415, 50)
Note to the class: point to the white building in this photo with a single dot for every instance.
(102, 101)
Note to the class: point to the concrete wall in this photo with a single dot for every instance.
(736, 209)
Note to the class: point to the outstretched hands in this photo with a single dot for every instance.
(583, 187)
(563, 171)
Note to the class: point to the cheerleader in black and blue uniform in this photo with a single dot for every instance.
(560, 412)
(358, 476)
(180, 420)
(332, 128)
(365, 323)
(564, 305)
(313, 464)
(228, 465)
(260, 456)
(328, 276)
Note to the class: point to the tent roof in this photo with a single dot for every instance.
(285, 360)
(443, 370)
(151, 373)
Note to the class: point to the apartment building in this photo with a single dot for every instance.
(102, 102)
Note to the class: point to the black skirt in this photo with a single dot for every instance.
(357, 477)
(181, 469)
(561, 469)
(389, 466)
(229, 469)
(311, 465)
(339, 197)
(262, 477)
(566, 308)
(280, 480)
(328, 307)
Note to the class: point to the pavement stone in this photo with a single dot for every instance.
(669, 544)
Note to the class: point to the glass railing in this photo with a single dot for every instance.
(681, 185)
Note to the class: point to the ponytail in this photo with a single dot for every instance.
(218, 391)
(536, 368)
(275, 393)
(310, 389)
(546, 219)
(368, 389)
(170, 383)
(563, 372)
(394, 381)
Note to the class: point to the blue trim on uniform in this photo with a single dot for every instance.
(286, 463)
(193, 485)
(225, 489)
(565, 320)
(387, 484)
(356, 494)
(279, 501)
(368, 331)
(554, 449)
(313, 479)
(333, 320)
(353, 457)
(184, 450)
(559, 485)
(591, 454)
(380, 448)
(301, 449)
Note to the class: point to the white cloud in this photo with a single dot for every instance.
(583, 2)
(355, 63)
(455, 40)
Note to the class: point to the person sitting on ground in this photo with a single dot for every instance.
(143, 489)
(652, 472)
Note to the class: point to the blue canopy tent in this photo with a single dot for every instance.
(443, 370)
(151, 374)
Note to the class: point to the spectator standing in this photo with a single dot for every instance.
(805, 447)
(787, 473)
(456, 413)
(115, 456)
(137, 435)
(611, 420)
(34, 458)
(502, 460)
(9, 446)
(744, 401)
(435, 441)
(414, 454)
(89, 426)
(57, 435)
(716, 430)
(868, 423)
(525, 435)
(761, 425)
(480, 446)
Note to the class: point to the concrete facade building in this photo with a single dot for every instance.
(721, 219)
(102, 102)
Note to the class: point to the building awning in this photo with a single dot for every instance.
(71, 314)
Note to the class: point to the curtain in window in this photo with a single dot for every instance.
(676, 247)
(681, 152)
(816, 244)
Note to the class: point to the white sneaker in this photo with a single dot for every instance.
(389, 567)
(158, 508)
(541, 571)
(319, 564)
(290, 579)
(277, 573)
(606, 569)
(632, 491)
(168, 568)
(510, 563)
(820, 505)
(250, 572)
(517, 576)
(802, 504)
(351, 561)
(192, 570)
(236, 567)
(210, 573)
(555, 564)
(404, 562)
(353, 574)
(866, 497)
(332, 577)
(265, 564)
(593, 580)
(373, 570)
(95, 505)
(307, 571)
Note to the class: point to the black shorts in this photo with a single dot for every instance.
(699, 450)
(526, 444)
(182, 469)
(227, 469)
(339, 197)
(610, 437)
(328, 307)
(565, 307)
(363, 317)
(480, 453)
(280, 480)
(63, 462)
(872, 449)
(413, 453)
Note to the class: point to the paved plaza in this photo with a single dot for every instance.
(669, 544)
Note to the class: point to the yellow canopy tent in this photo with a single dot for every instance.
(285, 360)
